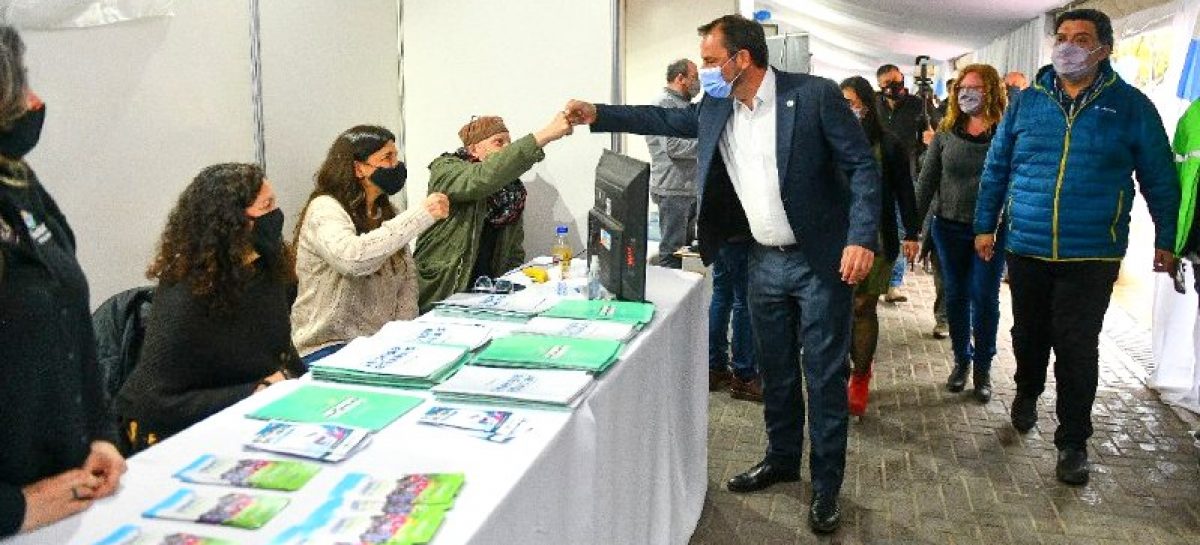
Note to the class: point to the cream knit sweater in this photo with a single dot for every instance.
(352, 284)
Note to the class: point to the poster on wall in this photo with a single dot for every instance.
(1143, 59)
(64, 14)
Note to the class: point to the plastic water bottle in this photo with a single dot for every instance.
(594, 289)
(561, 251)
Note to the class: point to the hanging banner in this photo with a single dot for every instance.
(63, 14)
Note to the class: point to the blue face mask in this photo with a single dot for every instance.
(714, 83)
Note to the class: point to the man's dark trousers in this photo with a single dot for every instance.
(1060, 306)
(793, 305)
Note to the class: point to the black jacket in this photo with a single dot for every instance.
(51, 405)
(906, 121)
(897, 194)
(120, 324)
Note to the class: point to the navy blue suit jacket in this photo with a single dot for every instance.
(817, 135)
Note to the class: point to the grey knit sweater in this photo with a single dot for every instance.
(951, 172)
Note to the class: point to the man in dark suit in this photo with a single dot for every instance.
(769, 157)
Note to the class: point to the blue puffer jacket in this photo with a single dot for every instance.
(1065, 176)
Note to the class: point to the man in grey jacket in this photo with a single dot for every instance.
(673, 168)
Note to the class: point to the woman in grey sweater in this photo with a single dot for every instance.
(951, 172)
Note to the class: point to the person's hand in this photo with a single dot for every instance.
(911, 248)
(927, 136)
(270, 380)
(557, 128)
(580, 113)
(55, 498)
(1165, 261)
(985, 246)
(856, 263)
(105, 463)
(438, 205)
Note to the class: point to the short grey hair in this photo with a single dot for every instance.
(12, 76)
(676, 69)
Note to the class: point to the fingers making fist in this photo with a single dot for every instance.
(438, 205)
(579, 112)
(856, 264)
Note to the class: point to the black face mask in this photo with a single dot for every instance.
(23, 135)
(390, 180)
(895, 89)
(267, 234)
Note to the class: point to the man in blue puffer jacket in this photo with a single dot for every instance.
(1061, 164)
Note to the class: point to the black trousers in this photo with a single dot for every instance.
(1060, 306)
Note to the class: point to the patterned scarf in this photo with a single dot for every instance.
(506, 204)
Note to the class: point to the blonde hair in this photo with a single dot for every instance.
(995, 97)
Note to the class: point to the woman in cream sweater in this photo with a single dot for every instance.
(354, 268)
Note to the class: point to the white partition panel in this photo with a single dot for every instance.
(134, 111)
(519, 60)
(326, 66)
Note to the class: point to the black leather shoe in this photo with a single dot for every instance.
(1024, 412)
(958, 378)
(983, 386)
(824, 515)
(1072, 466)
(765, 474)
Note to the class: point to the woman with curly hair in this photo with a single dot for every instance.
(352, 260)
(59, 452)
(895, 195)
(218, 330)
(953, 165)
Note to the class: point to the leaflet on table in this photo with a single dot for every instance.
(134, 535)
(544, 386)
(325, 442)
(323, 404)
(523, 302)
(379, 355)
(237, 509)
(363, 509)
(469, 336)
(495, 426)
(579, 329)
(249, 472)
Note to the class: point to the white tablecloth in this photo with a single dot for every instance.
(628, 466)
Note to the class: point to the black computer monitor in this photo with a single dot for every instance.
(617, 225)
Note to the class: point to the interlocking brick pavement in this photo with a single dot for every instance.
(928, 466)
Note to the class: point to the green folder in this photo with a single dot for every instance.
(549, 352)
(320, 404)
(618, 311)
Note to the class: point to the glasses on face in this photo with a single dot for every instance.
(485, 284)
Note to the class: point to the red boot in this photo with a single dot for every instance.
(859, 391)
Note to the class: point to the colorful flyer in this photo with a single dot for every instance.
(249, 473)
(236, 510)
(394, 495)
(133, 535)
(468, 419)
(325, 442)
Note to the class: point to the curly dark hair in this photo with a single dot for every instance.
(207, 240)
(337, 179)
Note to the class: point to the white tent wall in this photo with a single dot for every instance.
(134, 111)
(1025, 49)
(657, 33)
(521, 61)
(326, 66)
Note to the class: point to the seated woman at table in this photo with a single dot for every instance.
(218, 331)
(484, 233)
(58, 452)
(352, 260)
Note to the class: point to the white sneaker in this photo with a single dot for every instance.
(941, 330)
(894, 295)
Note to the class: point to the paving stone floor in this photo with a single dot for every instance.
(927, 466)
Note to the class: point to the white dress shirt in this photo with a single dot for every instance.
(748, 147)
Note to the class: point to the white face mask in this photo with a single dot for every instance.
(970, 101)
(1071, 61)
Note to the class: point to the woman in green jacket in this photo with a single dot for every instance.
(483, 235)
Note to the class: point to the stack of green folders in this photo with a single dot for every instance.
(550, 352)
(375, 362)
(626, 312)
